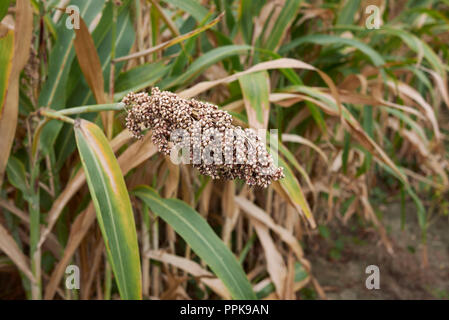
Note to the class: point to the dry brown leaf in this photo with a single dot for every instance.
(95, 264)
(296, 138)
(9, 246)
(193, 268)
(289, 287)
(275, 264)
(137, 153)
(172, 182)
(282, 63)
(205, 198)
(423, 148)
(408, 91)
(257, 214)
(235, 106)
(8, 119)
(230, 211)
(78, 231)
(90, 65)
(441, 84)
(372, 216)
(186, 186)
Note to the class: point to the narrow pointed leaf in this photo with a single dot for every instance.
(113, 206)
(6, 55)
(256, 92)
(202, 239)
(9, 247)
(208, 59)
(284, 20)
(293, 190)
(192, 7)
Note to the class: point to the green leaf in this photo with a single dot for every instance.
(256, 91)
(419, 46)
(248, 9)
(139, 78)
(53, 93)
(208, 59)
(6, 55)
(301, 274)
(4, 5)
(15, 171)
(192, 7)
(348, 11)
(324, 39)
(286, 17)
(61, 57)
(199, 235)
(78, 91)
(113, 206)
(421, 210)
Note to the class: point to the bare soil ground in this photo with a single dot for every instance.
(402, 276)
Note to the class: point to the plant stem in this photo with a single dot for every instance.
(62, 114)
(35, 251)
(34, 208)
(92, 108)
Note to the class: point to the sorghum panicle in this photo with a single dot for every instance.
(165, 112)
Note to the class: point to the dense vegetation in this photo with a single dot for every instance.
(361, 111)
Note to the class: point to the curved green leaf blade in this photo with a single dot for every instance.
(203, 240)
(301, 275)
(286, 17)
(113, 206)
(293, 189)
(139, 78)
(192, 7)
(325, 39)
(256, 91)
(208, 59)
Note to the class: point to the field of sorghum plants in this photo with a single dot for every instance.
(91, 91)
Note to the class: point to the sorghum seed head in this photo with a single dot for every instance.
(165, 112)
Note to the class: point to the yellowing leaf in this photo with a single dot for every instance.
(113, 206)
(9, 101)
